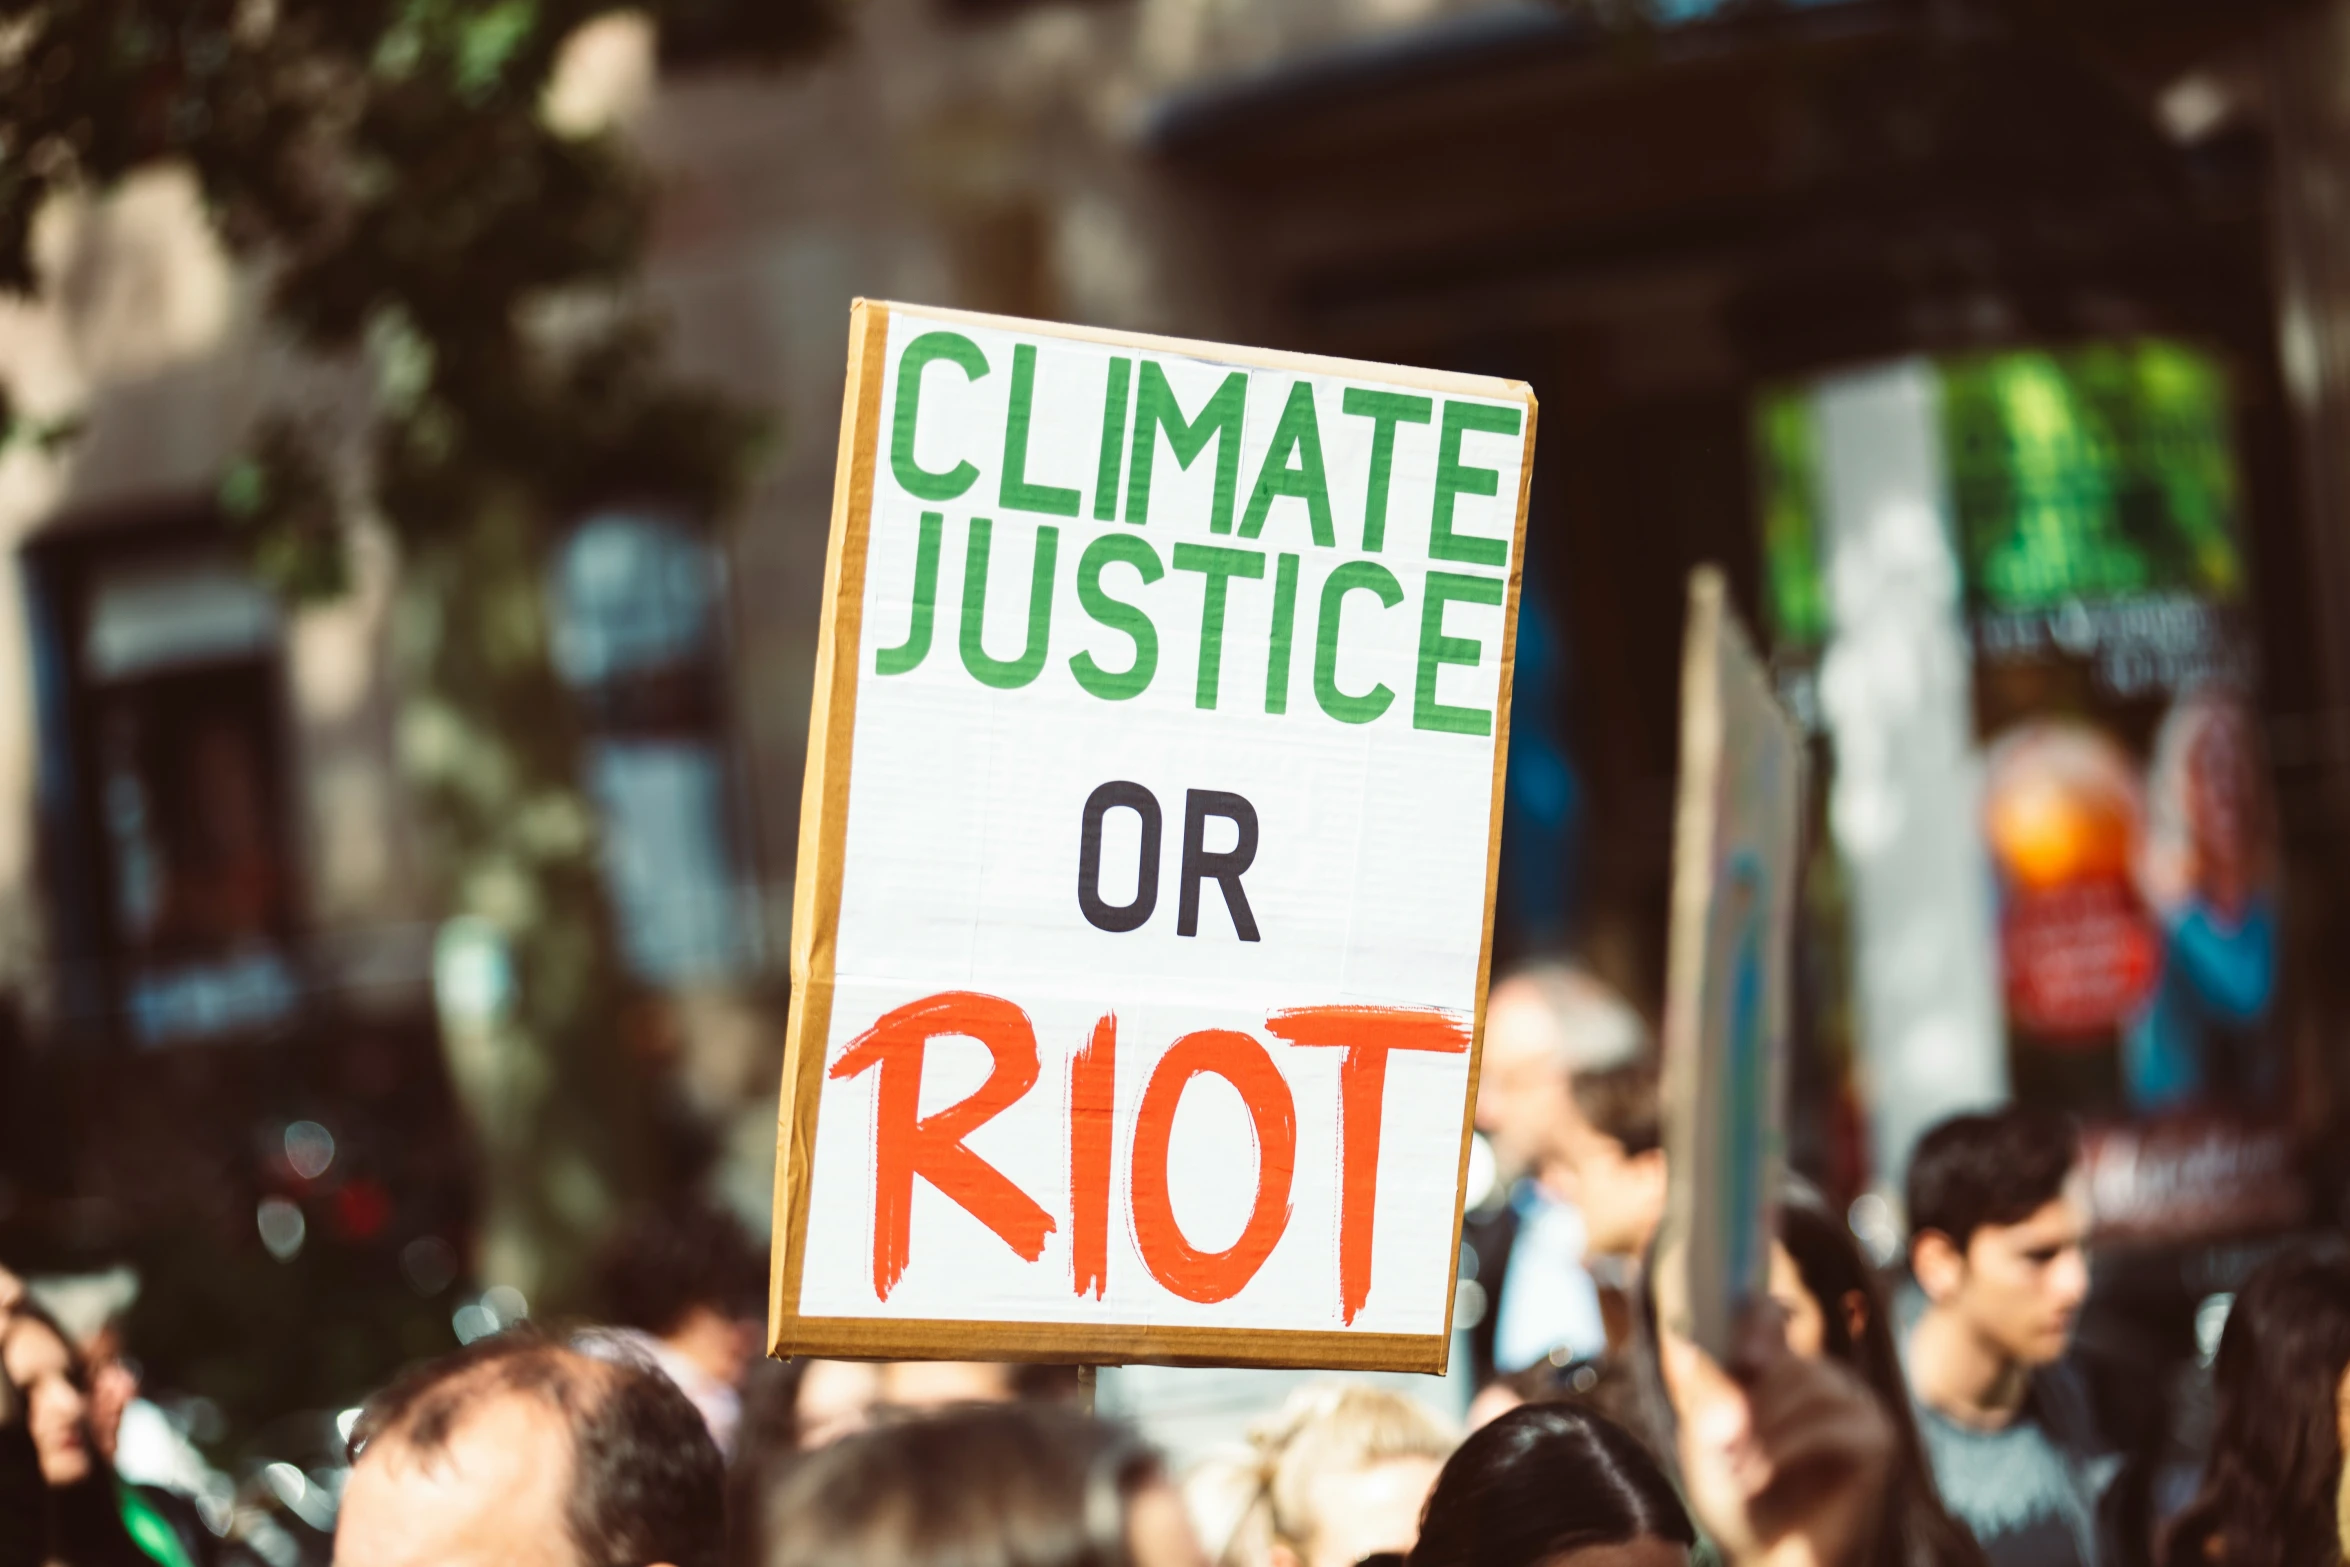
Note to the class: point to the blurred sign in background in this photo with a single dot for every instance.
(2035, 556)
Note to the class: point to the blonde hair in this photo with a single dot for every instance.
(1245, 1502)
(1597, 1029)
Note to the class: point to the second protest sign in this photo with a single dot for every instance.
(1147, 857)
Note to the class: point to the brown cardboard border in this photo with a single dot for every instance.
(885, 1338)
(824, 807)
(1695, 813)
(817, 893)
(1461, 383)
(1501, 767)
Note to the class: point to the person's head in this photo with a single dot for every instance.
(1612, 1146)
(1346, 1467)
(1997, 1230)
(999, 1485)
(2277, 1491)
(113, 1385)
(688, 1275)
(90, 1308)
(521, 1453)
(1551, 1485)
(1544, 1023)
(935, 1384)
(1835, 1311)
(835, 1397)
(38, 1359)
(1829, 1292)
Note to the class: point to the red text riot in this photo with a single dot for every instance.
(933, 1148)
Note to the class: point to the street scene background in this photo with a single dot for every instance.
(419, 438)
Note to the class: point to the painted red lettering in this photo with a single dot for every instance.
(907, 1143)
(1237, 1058)
(1093, 1098)
(1368, 1035)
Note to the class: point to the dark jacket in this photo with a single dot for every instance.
(24, 1511)
(1487, 1236)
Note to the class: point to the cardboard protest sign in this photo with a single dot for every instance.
(1735, 864)
(1147, 857)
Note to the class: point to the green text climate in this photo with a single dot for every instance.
(1140, 415)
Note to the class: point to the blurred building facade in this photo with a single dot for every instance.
(1985, 344)
(1829, 213)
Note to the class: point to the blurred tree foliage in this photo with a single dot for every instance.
(388, 168)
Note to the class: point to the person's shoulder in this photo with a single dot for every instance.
(1948, 1446)
(1496, 1212)
(2066, 1413)
(1492, 1227)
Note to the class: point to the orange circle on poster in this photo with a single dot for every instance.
(2065, 812)
(1208, 1276)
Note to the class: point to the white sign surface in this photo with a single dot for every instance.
(1147, 857)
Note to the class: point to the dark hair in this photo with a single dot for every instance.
(28, 1308)
(1990, 1169)
(647, 1484)
(661, 1263)
(2268, 1496)
(1541, 1480)
(84, 1525)
(985, 1485)
(1624, 1102)
(1916, 1528)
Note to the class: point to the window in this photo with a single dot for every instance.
(639, 638)
(164, 790)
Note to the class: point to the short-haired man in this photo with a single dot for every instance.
(1546, 1024)
(1996, 1243)
(517, 1452)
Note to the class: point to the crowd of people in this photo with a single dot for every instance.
(1927, 1415)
